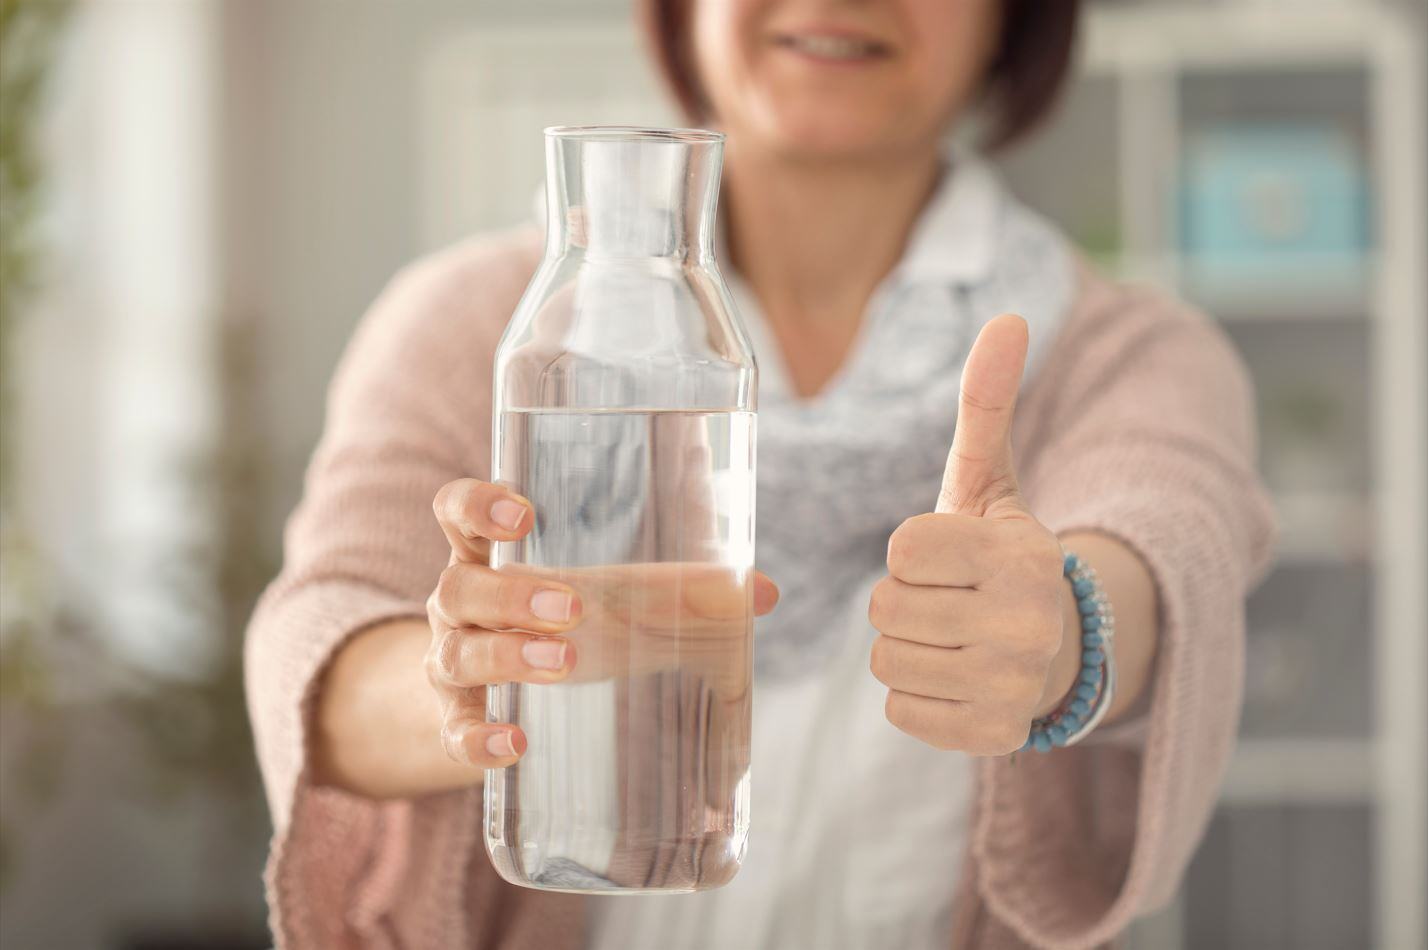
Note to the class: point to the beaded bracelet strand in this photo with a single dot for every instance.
(1087, 704)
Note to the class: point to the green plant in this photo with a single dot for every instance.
(29, 33)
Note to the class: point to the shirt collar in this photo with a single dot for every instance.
(954, 239)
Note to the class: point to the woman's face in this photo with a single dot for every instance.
(841, 78)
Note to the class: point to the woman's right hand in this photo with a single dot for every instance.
(377, 731)
(377, 728)
(491, 626)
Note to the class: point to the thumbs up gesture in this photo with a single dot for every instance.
(970, 615)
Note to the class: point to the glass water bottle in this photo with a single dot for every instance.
(624, 410)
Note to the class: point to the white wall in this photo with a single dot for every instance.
(324, 175)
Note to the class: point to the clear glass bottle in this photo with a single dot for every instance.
(624, 410)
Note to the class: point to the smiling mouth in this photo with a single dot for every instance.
(847, 49)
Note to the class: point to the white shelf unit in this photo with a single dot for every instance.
(480, 128)
(1147, 50)
(1301, 772)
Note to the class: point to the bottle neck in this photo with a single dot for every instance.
(632, 194)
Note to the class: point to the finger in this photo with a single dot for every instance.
(766, 594)
(937, 616)
(946, 550)
(715, 595)
(979, 473)
(457, 702)
(935, 721)
(950, 724)
(967, 674)
(473, 595)
(919, 669)
(688, 597)
(486, 745)
(471, 511)
(470, 657)
(1014, 626)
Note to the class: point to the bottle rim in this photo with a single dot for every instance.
(634, 133)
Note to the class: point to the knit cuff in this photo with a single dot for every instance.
(1058, 863)
(335, 857)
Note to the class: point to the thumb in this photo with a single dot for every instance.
(979, 479)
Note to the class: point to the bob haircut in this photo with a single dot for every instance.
(1026, 74)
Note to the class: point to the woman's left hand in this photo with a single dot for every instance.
(971, 612)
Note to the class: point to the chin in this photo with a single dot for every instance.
(831, 132)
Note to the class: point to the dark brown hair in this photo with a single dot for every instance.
(1026, 73)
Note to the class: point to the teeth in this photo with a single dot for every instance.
(832, 47)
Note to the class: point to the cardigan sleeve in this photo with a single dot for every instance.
(1141, 427)
(408, 410)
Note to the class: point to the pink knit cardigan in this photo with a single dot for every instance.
(1139, 424)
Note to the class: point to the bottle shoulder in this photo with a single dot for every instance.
(625, 332)
(638, 309)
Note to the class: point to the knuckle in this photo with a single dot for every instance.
(898, 555)
(904, 544)
(448, 500)
(447, 593)
(898, 711)
(904, 714)
(998, 685)
(442, 658)
(1005, 731)
(1035, 674)
(996, 486)
(1035, 630)
(881, 662)
(881, 607)
(1024, 686)
(1021, 623)
(457, 656)
(1009, 736)
(465, 659)
(1052, 553)
(480, 658)
(431, 665)
(471, 700)
(1038, 552)
(1035, 634)
(450, 743)
(509, 598)
(455, 732)
(1047, 637)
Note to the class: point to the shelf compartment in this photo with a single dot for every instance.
(1309, 654)
(1283, 877)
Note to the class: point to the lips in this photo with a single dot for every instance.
(833, 47)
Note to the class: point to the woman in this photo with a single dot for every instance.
(866, 258)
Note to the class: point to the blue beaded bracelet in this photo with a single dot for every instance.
(1086, 705)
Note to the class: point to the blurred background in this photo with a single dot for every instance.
(201, 197)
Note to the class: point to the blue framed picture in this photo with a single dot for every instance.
(1261, 203)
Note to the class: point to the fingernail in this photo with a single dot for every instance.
(544, 654)
(552, 606)
(508, 514)
(499, 744)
